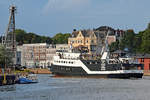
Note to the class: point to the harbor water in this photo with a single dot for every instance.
(50, 88)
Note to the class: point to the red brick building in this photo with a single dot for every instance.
(145, 59)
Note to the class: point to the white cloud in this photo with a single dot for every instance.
(65, 4)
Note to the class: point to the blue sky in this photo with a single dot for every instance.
(48, 17)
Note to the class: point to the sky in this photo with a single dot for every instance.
(48, 17)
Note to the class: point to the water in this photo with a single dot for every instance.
(50, 88)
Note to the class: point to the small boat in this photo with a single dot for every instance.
(31, 78)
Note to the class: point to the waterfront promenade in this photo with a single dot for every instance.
(50, 88)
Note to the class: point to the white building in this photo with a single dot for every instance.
(18, 55)
(40, 54)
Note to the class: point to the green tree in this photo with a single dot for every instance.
(5, 56)
(24, 37)
(145, 46)
(114, 46)
(61, 38)
(128, 40)
(20, 36)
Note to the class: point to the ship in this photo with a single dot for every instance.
(79, 64)
(74, 65)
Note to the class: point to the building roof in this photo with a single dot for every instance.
(87, 33)
(75, 33)
(143, 55)
(99, 34)
(119, 51)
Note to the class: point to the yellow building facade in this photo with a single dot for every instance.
(85, 38)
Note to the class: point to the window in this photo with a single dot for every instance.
(149, 66)
(88, 62)
(68, 69)
(92, 41)
(142, 60)
(93, 35)
(93, 62)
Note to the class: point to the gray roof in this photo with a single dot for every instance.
(119, 51)
(86, 33)
(75, 33)
(143, 55)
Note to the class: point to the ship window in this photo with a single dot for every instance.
(62, 68)
(98, 62)
(71, 62)
(88, 62)
(67, 69)
(93, 62)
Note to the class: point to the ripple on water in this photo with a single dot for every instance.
(50, 88)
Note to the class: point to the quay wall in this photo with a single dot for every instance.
(10, 79)
(39, 71)
(146, 72)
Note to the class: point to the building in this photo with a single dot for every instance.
(85, 38)
(62, 47)
(40, 54)
(18, 55)
(50, 52)
(145, 59)
(93, 40)
(34, 55)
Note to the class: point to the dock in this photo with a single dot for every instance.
(39, 71)
(10, 79)
(146, 73)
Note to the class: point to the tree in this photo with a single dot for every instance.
(5, 56)
(24, 37)
(114, 46)
(60, 38)
(20, 36)
(128, 40)
(145, 46)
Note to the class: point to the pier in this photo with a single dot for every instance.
(7, 79)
